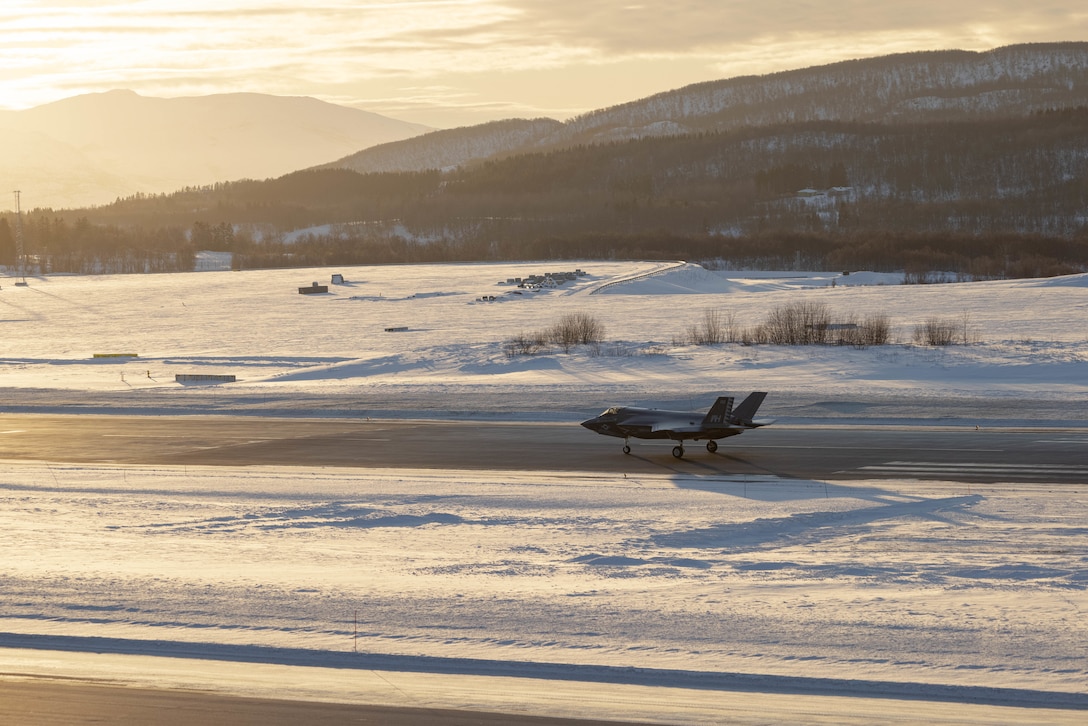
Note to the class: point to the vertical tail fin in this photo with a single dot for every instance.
(720, 412)
(746, 411)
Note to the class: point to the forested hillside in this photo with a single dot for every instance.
(1013, 81)
(1001, 193)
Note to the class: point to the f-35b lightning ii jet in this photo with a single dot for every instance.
(650, 423)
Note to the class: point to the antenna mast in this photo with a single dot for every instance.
(20, 256)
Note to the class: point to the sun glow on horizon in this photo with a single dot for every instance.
(484, 59)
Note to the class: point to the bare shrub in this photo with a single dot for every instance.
(571, 330)
(754, 336)
(936, 331)
(875, 329)
(967, 331)
(716, 327)
(576, 329)
(565, 336)
(591, 330)
(945, 331)
(524, 344)
(799, 323)
(810, 323)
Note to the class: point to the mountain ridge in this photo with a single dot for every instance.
(101, 146)
(92, 149)
(971, 163)
(922, 85)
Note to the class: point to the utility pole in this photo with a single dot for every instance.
(20, 256)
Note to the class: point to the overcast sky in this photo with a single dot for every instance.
(452, 63)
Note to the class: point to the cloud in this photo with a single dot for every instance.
(340, 49)
(620, 27)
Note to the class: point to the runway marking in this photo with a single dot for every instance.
(972, 465)
(225, 438)
(178, 436)
(1034, 471)
(14, 431)
(854, 448)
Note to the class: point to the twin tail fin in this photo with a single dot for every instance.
(722, 412)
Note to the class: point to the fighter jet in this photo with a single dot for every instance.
(650, 423)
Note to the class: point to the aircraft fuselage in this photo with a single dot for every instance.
(639, 423)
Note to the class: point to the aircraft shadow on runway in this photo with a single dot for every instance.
(732, 474)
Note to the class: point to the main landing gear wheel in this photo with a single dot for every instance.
(626, 449)
(712, 446)
(678, 451)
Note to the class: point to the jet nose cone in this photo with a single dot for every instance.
(602, 425)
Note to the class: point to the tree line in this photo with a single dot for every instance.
(991, 198)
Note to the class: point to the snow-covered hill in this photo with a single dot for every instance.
(1014, 80)
(450, 148)
(940, 85)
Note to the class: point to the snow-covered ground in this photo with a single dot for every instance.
(662, 599)
(330, 354)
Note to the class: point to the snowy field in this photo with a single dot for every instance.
(330, 354)
(676, 600)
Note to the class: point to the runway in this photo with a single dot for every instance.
(963, 454)
(1036, 455)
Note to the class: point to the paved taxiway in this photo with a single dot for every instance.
(804, 452)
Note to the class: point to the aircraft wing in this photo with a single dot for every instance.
(679, 426)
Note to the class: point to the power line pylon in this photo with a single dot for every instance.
(20, 255)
